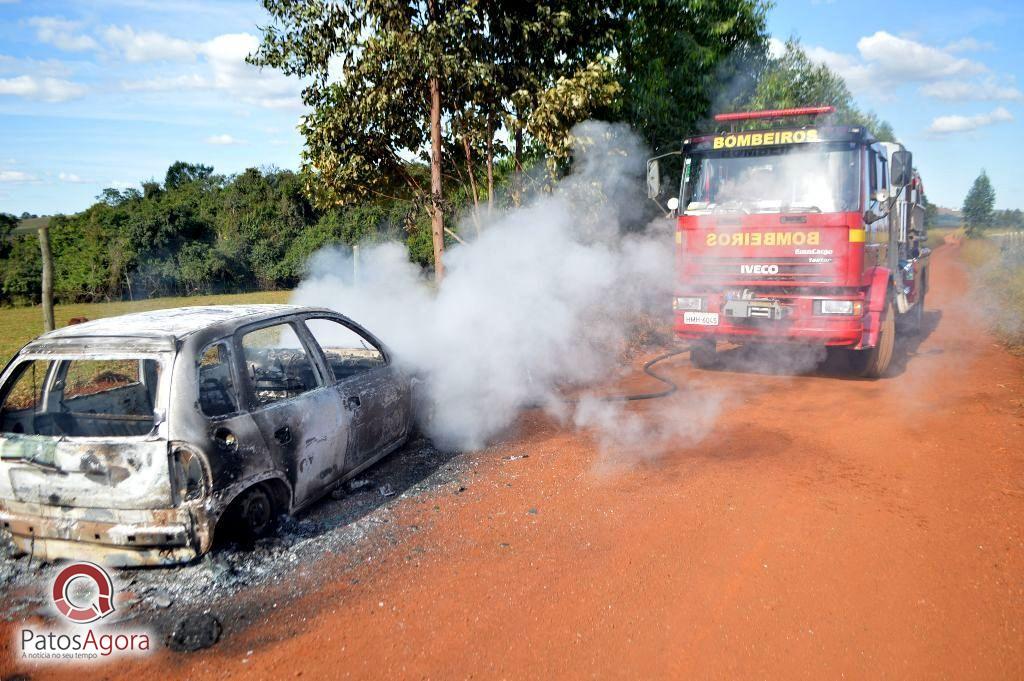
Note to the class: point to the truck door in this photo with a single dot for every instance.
(876, 246)
(299, 414)
(374, 394)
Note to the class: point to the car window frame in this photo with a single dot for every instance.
(351, 326)
(241, 403)
(252, 404)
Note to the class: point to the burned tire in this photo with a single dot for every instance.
(704, 355)
(874, 362)
(252, 515)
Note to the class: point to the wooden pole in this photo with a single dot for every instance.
(436, 209)
(47, 292)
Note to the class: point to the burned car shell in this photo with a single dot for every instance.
(157, 498)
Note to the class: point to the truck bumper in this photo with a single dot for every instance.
(117, 538)
(799, 324)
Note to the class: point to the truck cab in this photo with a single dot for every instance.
(806, 234)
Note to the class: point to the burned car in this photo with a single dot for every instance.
(133, 440)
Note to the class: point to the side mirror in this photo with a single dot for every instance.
(901, 167)
(653, 179)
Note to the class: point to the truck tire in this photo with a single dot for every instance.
(874, 362)
(914, 321)
(703, 354)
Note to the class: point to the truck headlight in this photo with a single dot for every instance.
(688, 303)
(839, 307)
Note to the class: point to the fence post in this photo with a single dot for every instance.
(47, 292)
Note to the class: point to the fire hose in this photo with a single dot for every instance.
(648, 369)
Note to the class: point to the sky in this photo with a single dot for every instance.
(108, 93)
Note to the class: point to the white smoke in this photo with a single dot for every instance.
(543, 299)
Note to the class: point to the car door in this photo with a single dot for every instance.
(297, 410)
(373, 393)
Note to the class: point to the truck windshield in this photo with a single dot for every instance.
(805, 178)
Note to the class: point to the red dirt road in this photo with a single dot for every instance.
(824, 528)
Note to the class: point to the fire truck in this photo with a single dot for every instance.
(792, 230)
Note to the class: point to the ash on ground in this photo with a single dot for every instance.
(353, 524)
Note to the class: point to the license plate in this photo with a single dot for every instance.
(701, 318)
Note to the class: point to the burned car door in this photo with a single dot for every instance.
(374, 394)
(241, 451)
(300, 416)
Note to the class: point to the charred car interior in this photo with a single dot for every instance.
(134, 440)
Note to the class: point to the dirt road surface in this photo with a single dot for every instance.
(824, 528)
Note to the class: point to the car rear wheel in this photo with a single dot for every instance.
(874, 362)
(253, 514)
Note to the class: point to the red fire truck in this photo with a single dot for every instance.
(797, 232)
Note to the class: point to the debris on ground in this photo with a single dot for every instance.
(516, 457)
(386, 490)
(355, 485)
(195, 632)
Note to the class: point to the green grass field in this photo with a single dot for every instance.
(19, 325)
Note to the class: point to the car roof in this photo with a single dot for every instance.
(174, 322)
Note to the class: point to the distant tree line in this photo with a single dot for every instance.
(196, 232)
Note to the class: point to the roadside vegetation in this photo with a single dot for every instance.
(997, 265)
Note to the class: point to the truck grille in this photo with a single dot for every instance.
(775, 269)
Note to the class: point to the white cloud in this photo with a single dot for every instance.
(776, 48)
(897, 58)
(70, 177)
(944, 125)
(222, 140)
(969, 44)
(16, 176)
(884, 61)
(964, 90)
(228, 72)
(144, 46)
(43, 89)
(62, 34)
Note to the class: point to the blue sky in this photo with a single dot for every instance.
(103, 93)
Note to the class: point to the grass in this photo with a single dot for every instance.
(19, 325)
(1000, 272)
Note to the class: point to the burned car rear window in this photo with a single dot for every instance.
(278, 364)
(81, 397)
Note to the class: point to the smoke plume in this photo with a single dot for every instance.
(543, 299)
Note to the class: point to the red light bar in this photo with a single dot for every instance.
(774, 113)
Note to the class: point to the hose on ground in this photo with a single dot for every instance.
(648, 369)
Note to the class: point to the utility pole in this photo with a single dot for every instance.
(47, 293)
(436, 210)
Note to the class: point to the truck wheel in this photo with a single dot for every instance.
(253, 514)
(873, 362)
(703, 354)
(915, 318)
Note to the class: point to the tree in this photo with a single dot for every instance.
(381, 71)
(674, 57)
(978, 205)
(793, 80)
(180, 172)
